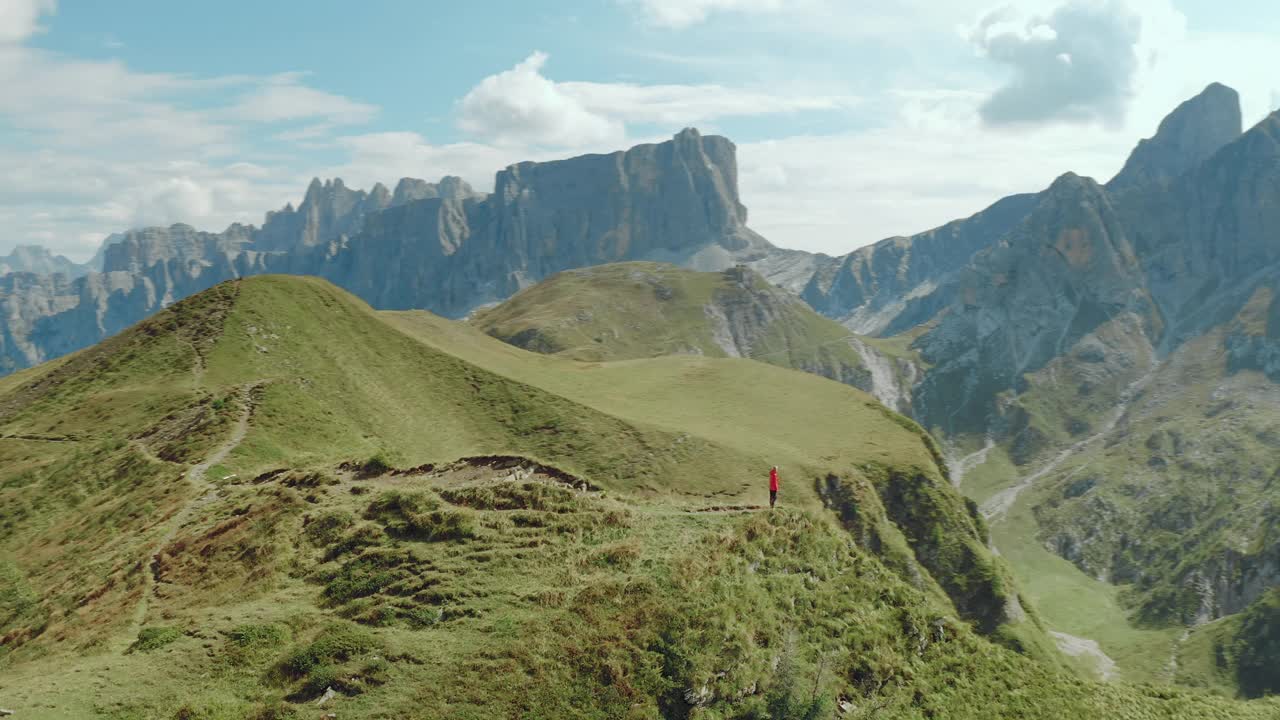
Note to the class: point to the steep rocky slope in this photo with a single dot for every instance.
(1168, 260)
(898, 283)
(1118, 344)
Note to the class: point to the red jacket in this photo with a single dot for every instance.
(773, 479)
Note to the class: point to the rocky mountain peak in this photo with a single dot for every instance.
(1195, 130)
(689, 134)
(1070, 182)
(379, 197)
(314, 189)
(452, 186)
(37, 259)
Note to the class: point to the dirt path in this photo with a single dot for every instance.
(1171, 667)
(41, 438)
(1084, 647)
(207, 491)
(961, 467)
(998, 505)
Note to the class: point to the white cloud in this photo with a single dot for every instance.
(175, 199)
(19, 19)
(1188, 62)
(520, 105)
(679, 14)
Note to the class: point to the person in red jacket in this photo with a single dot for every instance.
(773, 485)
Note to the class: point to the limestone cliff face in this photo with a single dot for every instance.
(1180, 257)
(330, 210)
(1068, 269)
(439, 246)
(675, 201)
(1121, 339)
(1207, 239)
(25, 298)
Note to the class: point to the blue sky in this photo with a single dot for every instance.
(854, 121)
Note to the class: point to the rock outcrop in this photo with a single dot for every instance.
(1177, 257)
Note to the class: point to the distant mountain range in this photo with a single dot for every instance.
(439, 246)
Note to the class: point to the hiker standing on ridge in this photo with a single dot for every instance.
(773, 485)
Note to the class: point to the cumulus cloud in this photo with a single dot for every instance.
(20, 19)
(521, 106)
(677, 14)
(175, 199)
(1078, 64)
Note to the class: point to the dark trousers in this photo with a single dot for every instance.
(773, 497)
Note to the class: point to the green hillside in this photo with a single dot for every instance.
(268, 491)
(637, 310)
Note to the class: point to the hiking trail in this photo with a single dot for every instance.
(961, 467)
(998, 505)
(206, 492)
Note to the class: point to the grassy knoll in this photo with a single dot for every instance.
(637, 310)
